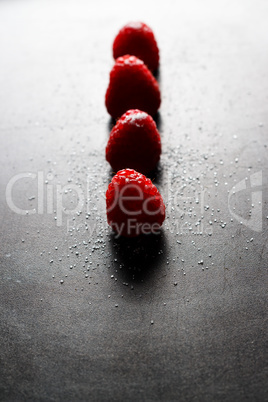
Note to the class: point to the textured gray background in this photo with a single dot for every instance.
(91, 337)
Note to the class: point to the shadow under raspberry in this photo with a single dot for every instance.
(158, 121)
(138, 259)
(110, 125)
(157, 75)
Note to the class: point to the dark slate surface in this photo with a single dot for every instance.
(203, 282)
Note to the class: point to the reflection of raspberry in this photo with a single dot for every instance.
(138, 39)
(134, 142)
(134, 205)
(132, 86)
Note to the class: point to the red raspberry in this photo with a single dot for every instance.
(134, 205)
(135, 142)
(138, 39)
(132, 86)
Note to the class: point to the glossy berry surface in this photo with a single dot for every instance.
(134, 142)
(134, 205)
